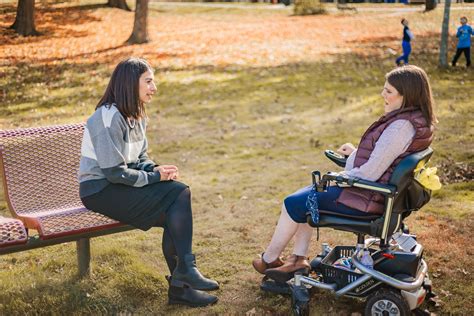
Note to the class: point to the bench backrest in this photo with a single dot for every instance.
(40, 168)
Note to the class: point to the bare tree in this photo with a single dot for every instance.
(25, 18)
(140, 33)
(121, 4)
(430, 5)
(443, 46)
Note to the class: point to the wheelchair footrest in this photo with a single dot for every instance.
(269, 285)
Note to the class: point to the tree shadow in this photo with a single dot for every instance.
(49, 71)
(7, 8)
(268, 93)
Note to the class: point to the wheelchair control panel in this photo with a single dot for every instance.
(338, 159)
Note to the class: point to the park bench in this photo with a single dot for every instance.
(39, 170)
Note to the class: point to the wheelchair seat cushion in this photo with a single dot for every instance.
(355, 215)
(297, 209)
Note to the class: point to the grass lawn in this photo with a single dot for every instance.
(247, 102)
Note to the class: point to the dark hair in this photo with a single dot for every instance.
(464, 17)
(123, 88)
(403, 20)
(413, 84)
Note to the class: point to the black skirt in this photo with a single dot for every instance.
(138, 207)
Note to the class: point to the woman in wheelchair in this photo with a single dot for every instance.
(406, 127)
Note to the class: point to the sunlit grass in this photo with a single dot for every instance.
(244, 137)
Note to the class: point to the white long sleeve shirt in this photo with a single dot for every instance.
(393, 142)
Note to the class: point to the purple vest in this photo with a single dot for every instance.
(372, 202)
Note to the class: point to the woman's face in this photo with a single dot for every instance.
(393, 99)
(146, 86)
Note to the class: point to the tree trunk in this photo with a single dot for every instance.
(140, 34)
(430, 5)
(443, 46)
(121, 4)
(25, 18)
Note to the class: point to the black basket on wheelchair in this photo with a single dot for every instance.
(340, 276)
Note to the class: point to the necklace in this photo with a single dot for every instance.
(131, 122)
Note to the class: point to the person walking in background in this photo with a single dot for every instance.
(464, 42)
(406, 46)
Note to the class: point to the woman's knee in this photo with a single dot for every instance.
(288, 201)
(182, 204)
(185, 194)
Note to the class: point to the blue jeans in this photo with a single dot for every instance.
(297, 207)
(406, 52)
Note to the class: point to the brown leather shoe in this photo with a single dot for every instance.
(285, 272)
(261, 266)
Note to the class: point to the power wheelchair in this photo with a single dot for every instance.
(398, 281)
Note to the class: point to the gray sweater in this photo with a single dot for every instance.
(114, 150)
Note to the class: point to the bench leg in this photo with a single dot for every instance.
(83, 256)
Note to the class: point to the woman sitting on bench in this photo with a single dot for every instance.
(405, 128)
(117, 179)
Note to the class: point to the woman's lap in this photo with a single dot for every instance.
(296, 203)
(139, 207)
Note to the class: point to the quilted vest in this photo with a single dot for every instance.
(372, 202)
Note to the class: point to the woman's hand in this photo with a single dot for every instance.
(346, 149)
(167, 172)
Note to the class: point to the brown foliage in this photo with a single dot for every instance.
(87, 34)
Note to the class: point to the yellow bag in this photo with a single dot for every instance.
(427, 177)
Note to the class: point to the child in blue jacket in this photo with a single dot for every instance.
(406, 46)
(464, 42)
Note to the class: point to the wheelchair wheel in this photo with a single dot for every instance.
(386, 302)
(300, 300)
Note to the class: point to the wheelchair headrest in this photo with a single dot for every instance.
(403, 173)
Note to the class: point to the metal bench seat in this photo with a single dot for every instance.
(39, 170)
(58, 223)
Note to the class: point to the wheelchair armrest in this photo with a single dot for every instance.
(388, 190)
(336, 158)
(347, 181)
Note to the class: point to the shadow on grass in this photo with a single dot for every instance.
(337, 82)
(236, 98)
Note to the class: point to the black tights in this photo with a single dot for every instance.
(178, 230)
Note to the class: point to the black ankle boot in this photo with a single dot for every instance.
(191, 277)
(188, 296)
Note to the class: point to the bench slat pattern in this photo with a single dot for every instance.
(12, 232)
(64, 223)
(40, 178)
